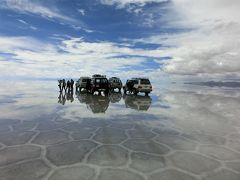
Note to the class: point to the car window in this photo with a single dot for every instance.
(145, 81)
(97, 81)
(135, 81)
(103, 80)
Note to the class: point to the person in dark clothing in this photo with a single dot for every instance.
(64, 85)
(60, 85)
(72, 83)
(68, 85)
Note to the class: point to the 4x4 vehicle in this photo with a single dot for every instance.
(83, 83)
(115, 83)
(136, 85)
(99, 84)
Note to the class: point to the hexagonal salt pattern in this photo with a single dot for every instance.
(108, 155)
(110, 136)
(91, 149)
(118, 174)
(51, 137)
(171, 175)
(223, 174)
(11, 155)
(145, 145)
(69, 153)
(146, 162)
(193, 162)
(73, 173)
(16, 137)
(30, 170)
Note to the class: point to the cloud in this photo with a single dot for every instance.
(125, 3)
(31, 7)
(71, 57)
(210, 47)
(27, 24)
(82, 12)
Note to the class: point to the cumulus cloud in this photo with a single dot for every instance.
(211, 47)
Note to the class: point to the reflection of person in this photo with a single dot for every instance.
(61, 98)
(70, 96)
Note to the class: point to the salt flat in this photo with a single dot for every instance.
(180, 133)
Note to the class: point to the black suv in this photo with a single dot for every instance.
(99, 84)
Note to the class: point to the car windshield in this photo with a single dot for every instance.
(116, 81)
(104, 80)
(145, 81)
(101, 80)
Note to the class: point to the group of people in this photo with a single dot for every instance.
(66, 86)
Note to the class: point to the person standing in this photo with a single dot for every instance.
(68, 85)
(72, 83)
(60, 85)
(64, 84)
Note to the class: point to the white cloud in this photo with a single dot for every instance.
(27, 24)
(27, 6)
(124, 3)
(72, 57)
(82, 12)
(211, 48)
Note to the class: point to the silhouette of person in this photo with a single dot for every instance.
(64, 84)
(68, 85)
(60, 85)
(72, 83)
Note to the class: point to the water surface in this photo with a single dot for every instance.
(179, 132)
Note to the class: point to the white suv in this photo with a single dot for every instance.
(137, 85)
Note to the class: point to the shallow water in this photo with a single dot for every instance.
(179, 132)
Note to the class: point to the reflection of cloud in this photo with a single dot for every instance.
(210, 112)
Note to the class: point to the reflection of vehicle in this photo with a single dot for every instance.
(99, 83)
(83, 97)
(83, 83)
(115, 97)
(97, 104)
(136, 85)
(115, 83)
(140, 103)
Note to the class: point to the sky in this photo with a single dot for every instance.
(161, 39)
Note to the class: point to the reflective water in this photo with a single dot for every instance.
(177, 133)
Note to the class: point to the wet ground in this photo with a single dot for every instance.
(177, 133)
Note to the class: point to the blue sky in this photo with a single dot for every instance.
(157, 38)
